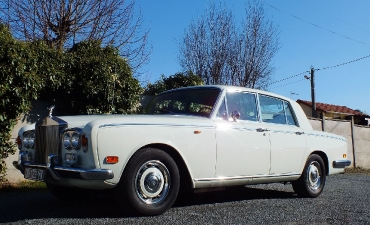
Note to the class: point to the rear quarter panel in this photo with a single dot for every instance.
(334, 146)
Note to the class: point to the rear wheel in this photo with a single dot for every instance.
(312, 181)
(149, 184)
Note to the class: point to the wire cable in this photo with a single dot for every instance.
(359, 28)
(333, 32)
(288, 83)
(288, 78)
(345, 63)
(324, 68)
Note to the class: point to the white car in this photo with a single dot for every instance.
(197, 137)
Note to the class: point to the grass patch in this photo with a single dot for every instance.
(22, 186)
(356, 170)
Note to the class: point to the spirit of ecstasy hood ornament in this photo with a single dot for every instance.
(51, 110)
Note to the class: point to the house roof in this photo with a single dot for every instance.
(332, 108)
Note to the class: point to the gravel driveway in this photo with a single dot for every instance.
(345, 200)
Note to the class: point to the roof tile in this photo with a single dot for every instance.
(331, 108)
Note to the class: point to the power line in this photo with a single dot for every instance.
(288, 83)
(333, 32)
(345, 63)
(288, 78)
(324, 68)
(359, 28)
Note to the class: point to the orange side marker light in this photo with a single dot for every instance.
(111, 159)
(197, 132)
(344, 156)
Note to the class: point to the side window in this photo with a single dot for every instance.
(222, 111)
(276, 111)
(289, 114)
(244, 103)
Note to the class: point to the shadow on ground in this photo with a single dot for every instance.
(28, 205)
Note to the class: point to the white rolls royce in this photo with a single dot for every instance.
(194, 137)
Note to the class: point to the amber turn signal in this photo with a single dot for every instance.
(84, 143)
(344, 156)
(111, 159)
(19, 141)
(197, 132)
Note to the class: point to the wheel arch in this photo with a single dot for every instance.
(186, 181)
(324, 158)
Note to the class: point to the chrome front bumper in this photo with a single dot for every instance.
(341, 163)
(57, 172)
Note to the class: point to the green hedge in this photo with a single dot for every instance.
(86, 79)
(18, 86)
(96, 81)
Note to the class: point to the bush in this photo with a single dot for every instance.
(87, 79)
(19, 85)
(96, 81)
(174, 81)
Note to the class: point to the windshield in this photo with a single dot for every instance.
(198, 102)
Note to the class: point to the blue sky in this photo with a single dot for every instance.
(325, 34)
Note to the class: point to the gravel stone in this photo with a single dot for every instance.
(345, 200)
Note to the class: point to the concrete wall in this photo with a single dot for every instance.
(13, 175)
(306, 109)
(342, 128)
(315, 123)
(362, 146)
(361, 139)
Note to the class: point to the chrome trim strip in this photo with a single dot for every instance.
(157, 124)
(247, 177)
(94, 174)
(283, 131)
(243, 128)
(326, 136)
(341, 163)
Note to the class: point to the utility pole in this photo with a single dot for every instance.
(314, 114)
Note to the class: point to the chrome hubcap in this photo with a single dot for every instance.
(152, 182)
(314, 175)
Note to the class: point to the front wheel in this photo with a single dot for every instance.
(149, 184)
(312, 181)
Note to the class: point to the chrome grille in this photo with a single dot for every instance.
(47, 142)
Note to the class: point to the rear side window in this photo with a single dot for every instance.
(276, 111)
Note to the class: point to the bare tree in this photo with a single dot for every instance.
(216, 50)
(61, 23)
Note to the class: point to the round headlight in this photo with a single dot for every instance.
(31, 139)
(75, 140)
(67, 140)
(26, 137)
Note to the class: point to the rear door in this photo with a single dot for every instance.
(288, 142)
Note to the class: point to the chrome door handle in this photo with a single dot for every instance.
(262, 129)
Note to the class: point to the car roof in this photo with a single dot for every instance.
(230, 88)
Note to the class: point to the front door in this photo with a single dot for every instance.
(243, 145)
